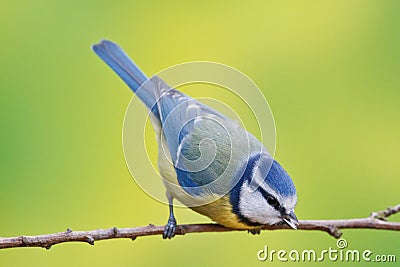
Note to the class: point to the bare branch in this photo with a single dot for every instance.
(384, 214)
(377, 220)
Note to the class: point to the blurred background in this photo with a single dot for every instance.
(329, 70)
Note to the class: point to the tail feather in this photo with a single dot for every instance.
(120, 62)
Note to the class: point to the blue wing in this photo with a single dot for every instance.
(180, 115)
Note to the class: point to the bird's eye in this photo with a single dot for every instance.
(272, 200)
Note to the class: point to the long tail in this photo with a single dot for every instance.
(119, 61)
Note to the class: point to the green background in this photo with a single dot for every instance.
(329, 69)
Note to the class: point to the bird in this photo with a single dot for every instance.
(207, 161)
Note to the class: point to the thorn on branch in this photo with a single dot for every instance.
(115, 231)
(90, 240)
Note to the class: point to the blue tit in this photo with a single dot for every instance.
(208, 161)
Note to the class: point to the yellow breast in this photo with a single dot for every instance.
(220, 211)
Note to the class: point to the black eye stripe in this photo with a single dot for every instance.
(271, 199)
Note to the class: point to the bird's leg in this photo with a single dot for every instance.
(170, 227)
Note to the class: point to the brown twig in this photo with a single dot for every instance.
(377, 220)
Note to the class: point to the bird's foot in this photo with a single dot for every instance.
(254, 231)
(169, 229)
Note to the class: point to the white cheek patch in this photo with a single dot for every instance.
(255, 208)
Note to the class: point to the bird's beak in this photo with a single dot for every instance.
(291, 219)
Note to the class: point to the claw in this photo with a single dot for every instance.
(169, 229)
(254, 231)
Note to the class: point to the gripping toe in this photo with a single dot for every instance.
(254, 231)
(169, 229)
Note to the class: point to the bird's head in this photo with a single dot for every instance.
(265, 194)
